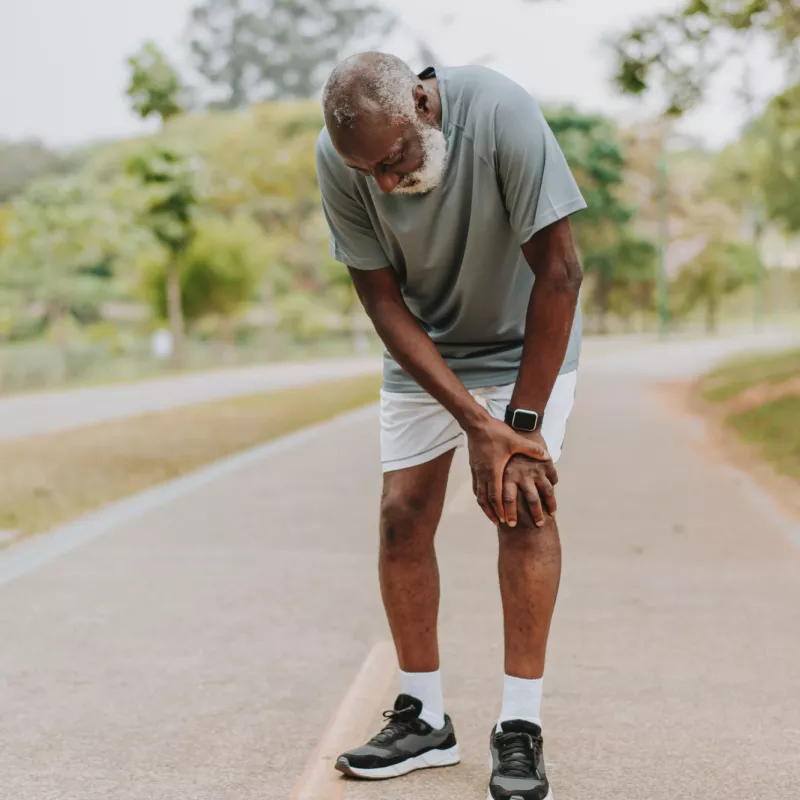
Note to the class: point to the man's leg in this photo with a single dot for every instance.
(530, 570)
(417, 735)
(529, 566)
(411, 507)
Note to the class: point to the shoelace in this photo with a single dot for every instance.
(398, 723)
(518, 755)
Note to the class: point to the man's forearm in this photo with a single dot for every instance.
(551, 313)
(416, 353)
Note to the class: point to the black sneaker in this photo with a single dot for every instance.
(406, 743)
(518, 763)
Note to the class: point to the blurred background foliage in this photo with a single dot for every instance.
(212, 226)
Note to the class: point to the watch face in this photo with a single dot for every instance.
(525, 420)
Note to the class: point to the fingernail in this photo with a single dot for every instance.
(512, 524)
(540, 524)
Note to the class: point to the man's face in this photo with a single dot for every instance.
(403, 156)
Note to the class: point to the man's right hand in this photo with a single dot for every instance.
(492, 444)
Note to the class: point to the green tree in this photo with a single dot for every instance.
(63, 241)
(155, 90)
(778, 132)
(679, 52)
(263, 163)
(758, 177)
(721, 268)
(220, 271)
(615, 258)
(624, 276)
(249, 52)
(170, 180)
(155, 87)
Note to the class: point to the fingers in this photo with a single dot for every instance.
(531, 495)
(547, 495)
(552, 473)
(496, 492)
(510, 494)
(482, 494)
(533, 450)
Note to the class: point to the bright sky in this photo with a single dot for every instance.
(63, 70)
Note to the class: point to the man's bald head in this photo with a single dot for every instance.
(369, 85)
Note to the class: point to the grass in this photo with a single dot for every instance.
(49, 479)
(775, 429)
(735, 377)
(769, 421)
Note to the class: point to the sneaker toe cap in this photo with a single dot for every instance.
(506, 788)
(365, 757)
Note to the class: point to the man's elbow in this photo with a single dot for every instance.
(567, 277)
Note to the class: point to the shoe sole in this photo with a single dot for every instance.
(513, 797)
(433, 758)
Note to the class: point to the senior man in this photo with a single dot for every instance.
(447, 198)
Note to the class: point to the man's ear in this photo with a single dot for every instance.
(421, 101)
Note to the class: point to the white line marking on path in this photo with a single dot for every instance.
(348, 726)
(35, 551)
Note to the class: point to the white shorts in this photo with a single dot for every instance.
(415, 428)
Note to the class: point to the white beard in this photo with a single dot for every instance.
(429, 175)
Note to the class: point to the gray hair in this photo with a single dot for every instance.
(369, 79)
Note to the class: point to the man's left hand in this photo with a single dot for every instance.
(535, 481)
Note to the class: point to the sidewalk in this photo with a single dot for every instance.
(199, 651)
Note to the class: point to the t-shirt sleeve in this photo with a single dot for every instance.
(353, 239)
(537, 184)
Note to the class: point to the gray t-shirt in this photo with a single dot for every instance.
(456, 249)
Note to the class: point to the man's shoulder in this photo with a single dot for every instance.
(325, 148)
(477, 86)
(484, 102)
(476, 76)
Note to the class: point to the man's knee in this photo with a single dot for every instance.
(526, 535)
(408, 521)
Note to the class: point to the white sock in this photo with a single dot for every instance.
(522, 699)
(426, 687)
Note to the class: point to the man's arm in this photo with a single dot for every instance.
(492, 443)
(552, 256)
(411, 347)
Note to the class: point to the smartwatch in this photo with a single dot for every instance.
(523, 420)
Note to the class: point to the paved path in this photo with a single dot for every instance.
(199, 651)
(23, 415)
(43, 412)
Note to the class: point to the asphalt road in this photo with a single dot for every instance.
(199, 650)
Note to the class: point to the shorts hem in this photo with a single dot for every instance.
(395, 464)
